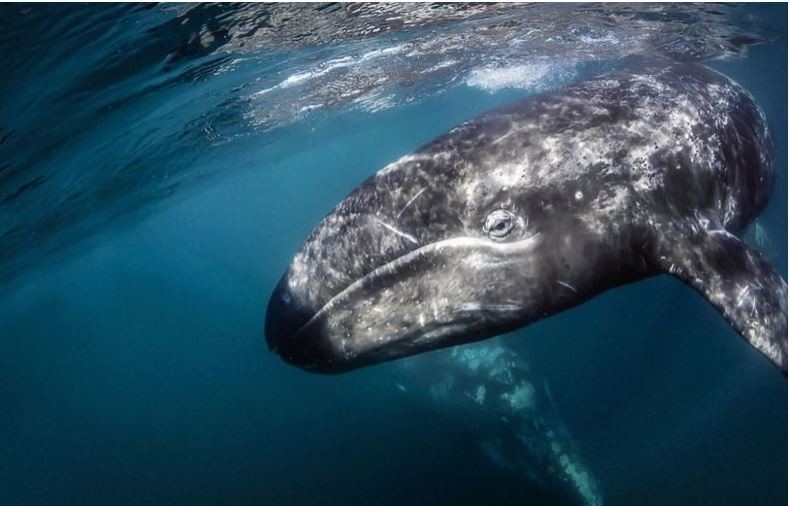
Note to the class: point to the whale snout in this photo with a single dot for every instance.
(286, 330)
(283, 317)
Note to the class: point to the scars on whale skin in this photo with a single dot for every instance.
(536, 207)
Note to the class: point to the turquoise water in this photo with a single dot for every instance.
(156, 180)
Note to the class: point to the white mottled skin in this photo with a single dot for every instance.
(614, 179)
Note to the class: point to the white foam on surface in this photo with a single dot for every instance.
(521, 76)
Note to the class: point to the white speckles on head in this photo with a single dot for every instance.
(608, 211)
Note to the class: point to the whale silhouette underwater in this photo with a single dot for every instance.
(536, 207)
(492, 388)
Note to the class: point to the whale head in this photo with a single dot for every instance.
(445, 246)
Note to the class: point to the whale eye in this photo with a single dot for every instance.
(499, 223)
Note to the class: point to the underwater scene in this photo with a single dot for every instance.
(543, 297)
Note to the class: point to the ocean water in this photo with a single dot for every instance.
(161, 164)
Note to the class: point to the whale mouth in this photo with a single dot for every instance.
(446, 292)
(394, 266)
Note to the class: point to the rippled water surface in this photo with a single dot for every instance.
(159, 166)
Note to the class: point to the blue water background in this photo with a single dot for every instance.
(133, 368)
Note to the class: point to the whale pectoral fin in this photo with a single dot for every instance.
(737, 280)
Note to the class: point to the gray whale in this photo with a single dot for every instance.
(536, 207)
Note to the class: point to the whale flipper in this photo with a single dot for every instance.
(734, 278)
